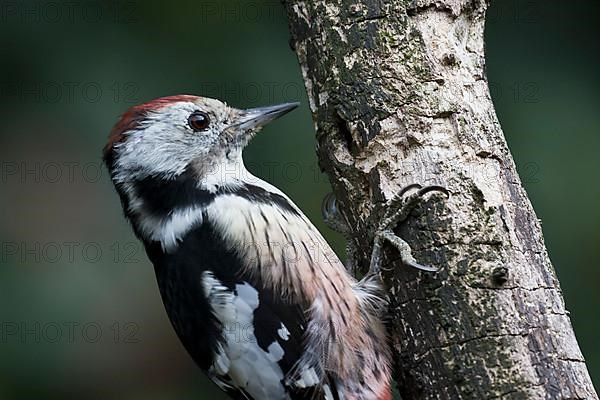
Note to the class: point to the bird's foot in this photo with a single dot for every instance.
(397, 210)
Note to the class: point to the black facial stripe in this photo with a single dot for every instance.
(162, 196)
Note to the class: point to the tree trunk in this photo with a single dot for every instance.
(399, 95)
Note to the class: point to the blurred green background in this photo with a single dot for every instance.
(80, 313)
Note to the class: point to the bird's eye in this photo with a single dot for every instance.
(199, 121)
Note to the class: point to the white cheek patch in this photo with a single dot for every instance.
(160, 146)
(248, 366)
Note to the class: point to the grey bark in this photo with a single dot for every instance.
(399, 95)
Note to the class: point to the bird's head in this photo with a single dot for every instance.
(168, 136)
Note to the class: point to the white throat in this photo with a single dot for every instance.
(230, 172)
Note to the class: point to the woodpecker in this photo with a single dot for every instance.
(254, 292)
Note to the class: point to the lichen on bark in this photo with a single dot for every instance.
(399, 95)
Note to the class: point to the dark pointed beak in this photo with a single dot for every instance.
(254, 118)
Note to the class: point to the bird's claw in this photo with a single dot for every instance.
(433, 188)
(427, 268)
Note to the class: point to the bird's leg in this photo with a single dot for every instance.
(397, 210)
